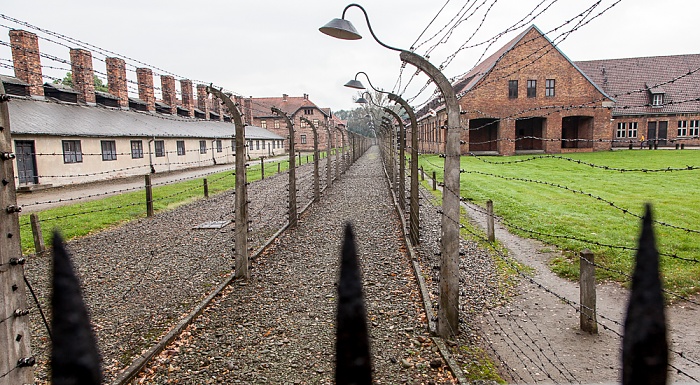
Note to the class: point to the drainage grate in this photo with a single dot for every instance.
(211, 225)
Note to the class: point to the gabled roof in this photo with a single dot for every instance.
(472, 78)
(33, 117)
(632, 80)
(289, 105)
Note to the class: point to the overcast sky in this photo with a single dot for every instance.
(269, 47)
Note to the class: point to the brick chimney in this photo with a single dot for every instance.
(26, 59)
(83, 75)
(284, 97)
(306, 96)
(248, 110)
(167, 84)
(187, 96)
(116, 80)
(202, 100)
(144, 76)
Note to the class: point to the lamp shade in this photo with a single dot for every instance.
(341, 29)
(361, 100)
(355, 84)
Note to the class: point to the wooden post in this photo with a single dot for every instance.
(490, 229)
(149, 196)
(39, 246)
(422, 174)
(279, 167)
(434, 181)
(206, 188)
(16, 359)
(589, 322)
(262, 167)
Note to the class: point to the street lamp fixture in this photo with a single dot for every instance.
(448, 311)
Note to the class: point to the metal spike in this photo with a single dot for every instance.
(644, 345)
(353, 363)
(75, 358)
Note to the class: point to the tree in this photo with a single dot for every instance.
(68, 81)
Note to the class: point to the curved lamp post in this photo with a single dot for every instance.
(448, 311)
(241, 206)
(292, 169)
(329, 164)
(317, 188)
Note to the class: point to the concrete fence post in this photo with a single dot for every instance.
(39, 246)
(434, 181)
(589, 323)
(490, 228)
(279, 167)
(205, 183)
(16, 358)
(149, 196)
(262, 167)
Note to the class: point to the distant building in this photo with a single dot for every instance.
(65, 135)
(258, 112)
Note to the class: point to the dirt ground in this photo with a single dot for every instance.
(537, 335)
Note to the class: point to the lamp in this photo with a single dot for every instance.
(448, 310)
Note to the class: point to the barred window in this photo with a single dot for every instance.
(72, 152)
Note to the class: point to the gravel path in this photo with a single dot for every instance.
(141, 278)
(278, 328)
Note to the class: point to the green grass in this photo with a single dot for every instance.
(547, 209)
(81, 219)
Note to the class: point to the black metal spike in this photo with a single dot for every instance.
(75, 358)
(644, 345)
(353, 364)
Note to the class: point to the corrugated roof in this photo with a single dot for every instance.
(632, 80)
(59, 119)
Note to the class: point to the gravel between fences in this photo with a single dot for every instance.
(141, 278)
(278, 328)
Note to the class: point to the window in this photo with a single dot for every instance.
(632, 132)
(72, 152)
(621, 130)
(549, 86)
(202, 146)
(308, 111)
(109, 149)
(257, 144)
(277, 123)
(303, 139)
(263, 124)
(136, 149)
(682, 128)
(279, 144)
(512, 89)
(694, 128)
(263, 144)
(302, 123)
(181, 147)
(531, 88)
(315, 122)
(219, 146)
(250, 144)
(657, 99)
(160, 148)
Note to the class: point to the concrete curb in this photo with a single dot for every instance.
(427, 304)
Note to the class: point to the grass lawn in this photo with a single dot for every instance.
(543, 210)
(80, 219)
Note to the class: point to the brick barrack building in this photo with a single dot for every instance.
(529, 97)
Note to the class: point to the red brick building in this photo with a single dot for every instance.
(527, 97)
(657, 98)
(258, 112)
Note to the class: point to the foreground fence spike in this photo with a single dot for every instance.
(353, 364)
(644, 345)
(74, 355)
